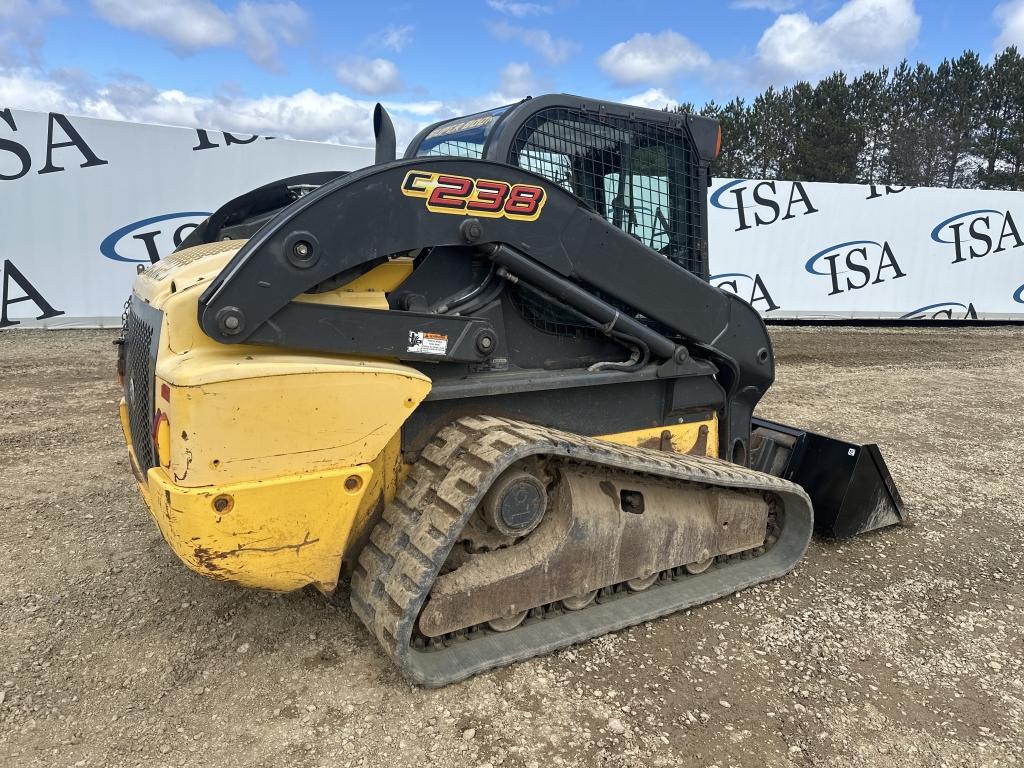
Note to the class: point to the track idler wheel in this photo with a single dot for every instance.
(515, 503)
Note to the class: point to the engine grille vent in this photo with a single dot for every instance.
(138, 386)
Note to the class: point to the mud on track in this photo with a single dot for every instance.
(899, 648)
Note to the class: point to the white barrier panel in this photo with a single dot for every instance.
(84, 201)
(835, 251)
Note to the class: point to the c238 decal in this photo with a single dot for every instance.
(487, 198)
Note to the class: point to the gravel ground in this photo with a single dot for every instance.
(903, 647)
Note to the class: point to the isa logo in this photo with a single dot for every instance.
(1018, 295)
(944, 310)
(855, 264)
(750, 288)
(145, 240)
(763, 203)
(974, 234)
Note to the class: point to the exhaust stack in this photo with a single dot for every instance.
(384, 135)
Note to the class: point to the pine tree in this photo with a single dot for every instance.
(999, 141)
(828, 138)
(928, 134)
(959, 125)
(734, 160)
(872, 108)
(1012, 172)
(771, 134)
(958, 86)
(911, 140)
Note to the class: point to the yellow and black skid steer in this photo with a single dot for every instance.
(489, 384)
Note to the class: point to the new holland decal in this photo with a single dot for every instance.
(487, 198)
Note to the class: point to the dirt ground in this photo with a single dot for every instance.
(901, 648)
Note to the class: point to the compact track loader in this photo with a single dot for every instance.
(488, 383)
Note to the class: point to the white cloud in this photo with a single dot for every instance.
(259, 28)
(1010, 16)
(517, 80)
(308, 114)
(21, 27)
(22, 90)
(775, 6)
(187, 25)
(861, 34)
(264, 25)
(647, 58)
(652, 98)
(519, 9)
(372, 76)
(395, 38)
(555, 49)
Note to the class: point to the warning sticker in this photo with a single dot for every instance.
(428, 343)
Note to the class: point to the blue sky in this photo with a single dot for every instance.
(314, 69)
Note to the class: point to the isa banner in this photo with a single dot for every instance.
(844, 251)
(83, 202)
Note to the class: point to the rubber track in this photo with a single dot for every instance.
(406, 549)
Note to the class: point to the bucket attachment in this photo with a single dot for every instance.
(849, 484)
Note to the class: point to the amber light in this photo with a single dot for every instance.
(162, 439)
(718, 143)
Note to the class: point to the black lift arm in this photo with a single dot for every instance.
(355, 222)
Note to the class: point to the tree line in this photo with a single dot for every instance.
(960, 124)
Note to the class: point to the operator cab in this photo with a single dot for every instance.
(644, 170)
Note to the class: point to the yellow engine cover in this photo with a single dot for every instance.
(267, 461)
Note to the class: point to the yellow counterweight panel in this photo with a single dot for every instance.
(270, 425)
(699, 438)
(367, 291)
(279, 534)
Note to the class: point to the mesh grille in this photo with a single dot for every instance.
(138, 387)
(645, 178)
